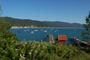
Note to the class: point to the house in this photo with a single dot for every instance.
(61, 39)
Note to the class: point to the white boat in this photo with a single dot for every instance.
(32, 32)
(36, 30)
(45, 31)
(26, 30)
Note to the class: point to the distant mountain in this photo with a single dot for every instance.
(64, 24)
(29, 22)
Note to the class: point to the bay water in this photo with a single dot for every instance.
(40, 34)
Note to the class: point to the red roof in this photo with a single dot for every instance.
(62, 37)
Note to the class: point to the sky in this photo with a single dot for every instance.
(73, 11)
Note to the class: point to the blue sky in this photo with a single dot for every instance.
(47, 10)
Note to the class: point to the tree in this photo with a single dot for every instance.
(4, 30)
(8, 42)
(4, 26)
(86, 32)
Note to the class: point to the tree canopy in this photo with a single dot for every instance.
(86, 33)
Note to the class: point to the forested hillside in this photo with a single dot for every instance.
(29, 22)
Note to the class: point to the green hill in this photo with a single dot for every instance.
(27, 22)
(35, 23)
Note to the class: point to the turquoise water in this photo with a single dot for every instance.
(39, 34)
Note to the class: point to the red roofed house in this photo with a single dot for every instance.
(62, 39)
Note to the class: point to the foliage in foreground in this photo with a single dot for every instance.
(39, 51)
(46, 51)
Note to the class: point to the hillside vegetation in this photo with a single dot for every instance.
(29, 22)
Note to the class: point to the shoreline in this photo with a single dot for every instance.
(17, 27)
